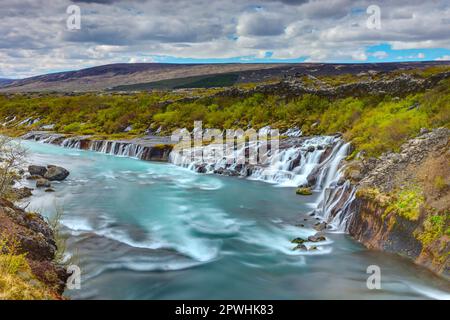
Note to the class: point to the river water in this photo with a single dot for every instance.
(146, 230)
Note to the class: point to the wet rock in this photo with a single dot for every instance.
(56, 173)
(37, 170)
(304, 191)
(201, 168)
(42, 183)
(22, 193)
(316, 238)
(298, 240)
(319, 226)
(49, 190)
(300, 247)
(33, 177)
(312, 177)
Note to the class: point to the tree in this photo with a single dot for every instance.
(12, 156)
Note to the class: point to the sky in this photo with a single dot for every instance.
(42, 36)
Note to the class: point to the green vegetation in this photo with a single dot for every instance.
(17, 282)
(434, 227)
(304, 191)
(376, 123)
(407, 203)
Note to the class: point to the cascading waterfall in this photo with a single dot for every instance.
(313, 162)
(117, 148)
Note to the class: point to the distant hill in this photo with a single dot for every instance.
(4, 82)
(146, 76)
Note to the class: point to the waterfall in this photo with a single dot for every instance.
(314, 162)
(304, 161)
(117, 148)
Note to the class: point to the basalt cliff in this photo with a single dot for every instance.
(402, 201)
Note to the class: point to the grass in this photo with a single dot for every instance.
(16, 279)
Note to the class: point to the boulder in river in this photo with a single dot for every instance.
(300, 247)
(37, 170)
(304, 191)
(319, 226)
(56, 173)
(298, 240)
(316, 238)
(42, 183)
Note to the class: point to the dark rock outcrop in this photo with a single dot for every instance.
(403, 201)
(37, 170)
(36, 240)
(55, 173)
(42, 183)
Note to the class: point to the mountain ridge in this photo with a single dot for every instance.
(110, 76)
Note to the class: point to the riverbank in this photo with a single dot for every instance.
(28, 269)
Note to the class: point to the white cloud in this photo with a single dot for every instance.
(380, 54)
(443, 58)
(34, 39)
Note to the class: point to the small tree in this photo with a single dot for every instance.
(12, 156)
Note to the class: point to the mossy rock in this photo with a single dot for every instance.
(304, 191)
(298, 240)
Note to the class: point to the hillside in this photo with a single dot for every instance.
(145, 76)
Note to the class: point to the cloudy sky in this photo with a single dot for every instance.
(35, 38)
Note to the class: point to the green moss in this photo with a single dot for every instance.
(434, 226)
(304, 191)
(406, 203)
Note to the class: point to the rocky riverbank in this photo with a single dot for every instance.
(402, 201)
(28, 269)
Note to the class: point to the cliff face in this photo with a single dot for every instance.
(403, 201)
(27, 252)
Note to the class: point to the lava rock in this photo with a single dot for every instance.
(33, 177)
(22, 193)
(56, 173)
(298, 240)
(37, 170)
(42, 183)
(300, 247)
(304, 191)
(316, 238)
(319, 226)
